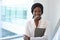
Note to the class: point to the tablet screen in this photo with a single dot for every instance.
(39, 32)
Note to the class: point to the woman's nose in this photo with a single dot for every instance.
(37, 13)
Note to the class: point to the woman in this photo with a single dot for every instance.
(35, 22)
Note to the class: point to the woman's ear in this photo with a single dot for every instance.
(33, 17)
(41, 12)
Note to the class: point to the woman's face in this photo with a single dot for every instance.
(37, 12)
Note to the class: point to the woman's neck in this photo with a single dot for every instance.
(37, 22)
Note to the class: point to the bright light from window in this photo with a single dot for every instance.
(15, 3)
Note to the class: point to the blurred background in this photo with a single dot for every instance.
(15, 13)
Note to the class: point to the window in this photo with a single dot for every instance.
(14, 15)
(8, 13)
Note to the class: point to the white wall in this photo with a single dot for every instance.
(51, 13)
(57, 12)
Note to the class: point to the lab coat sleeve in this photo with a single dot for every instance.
(27, 32)
(39, 38)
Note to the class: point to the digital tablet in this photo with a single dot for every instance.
(39, 32)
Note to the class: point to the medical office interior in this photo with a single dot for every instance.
(15, 13)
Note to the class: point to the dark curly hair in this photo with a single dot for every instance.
(37, 5)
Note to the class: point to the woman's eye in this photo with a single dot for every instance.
(35, 11)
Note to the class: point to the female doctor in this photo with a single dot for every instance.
(36, 22)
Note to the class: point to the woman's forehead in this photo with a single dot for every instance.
(37, 8)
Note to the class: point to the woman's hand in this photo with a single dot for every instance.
(26, 38)
(36, 18)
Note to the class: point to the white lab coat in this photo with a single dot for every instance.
(30, 27)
